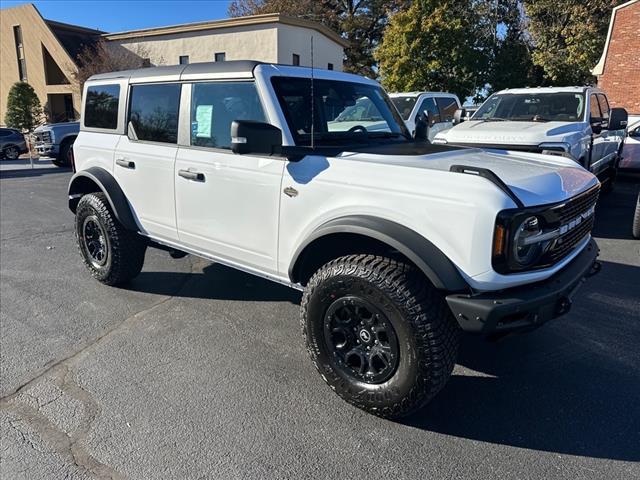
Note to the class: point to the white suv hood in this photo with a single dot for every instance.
(535, 179)
(508, 133)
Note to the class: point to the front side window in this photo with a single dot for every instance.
(153, 112)
(594, 107)
(215, 105)
(447, 107)
(101, 106)
(537, 107)
(429, 105)
(604, 106)
(342, 111)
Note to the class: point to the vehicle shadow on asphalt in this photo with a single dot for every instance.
(572, 387)
(614, 212)
(216, 282)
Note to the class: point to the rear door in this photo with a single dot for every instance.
(145, 157)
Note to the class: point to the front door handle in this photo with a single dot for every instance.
(189, 175)
(126, 163)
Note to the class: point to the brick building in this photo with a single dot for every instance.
(618, 70)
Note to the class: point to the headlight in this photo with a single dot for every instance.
(525, 249)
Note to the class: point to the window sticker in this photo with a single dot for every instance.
(204, 114)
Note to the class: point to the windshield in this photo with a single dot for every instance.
(537, 107)
(404, 105)
(344, 112)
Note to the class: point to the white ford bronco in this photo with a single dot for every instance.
(576, 122)
(398, 244)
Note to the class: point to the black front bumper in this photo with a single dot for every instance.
(528, 306)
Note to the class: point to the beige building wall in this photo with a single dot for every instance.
(258, 42)
(35, 34)
(293, 39)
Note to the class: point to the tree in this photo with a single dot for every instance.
(24, 111)
(569, 36)
(102, 58)
(435, 45)
(360, 22)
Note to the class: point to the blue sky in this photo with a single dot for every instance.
(117, 15)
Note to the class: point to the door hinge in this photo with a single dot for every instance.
(291, 192)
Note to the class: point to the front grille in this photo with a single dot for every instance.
(44, 137)
(568, 213)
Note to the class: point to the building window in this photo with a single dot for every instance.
(329, 66)
(101, 106)
(22, 64)
(153, 112)
(296, 59)
(219, 57)
(184, 59)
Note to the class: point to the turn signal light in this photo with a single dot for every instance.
(499, 236)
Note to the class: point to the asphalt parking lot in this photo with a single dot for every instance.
(198, 371)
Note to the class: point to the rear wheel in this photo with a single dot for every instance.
(112, 254)
(11, 152)
(379, 333)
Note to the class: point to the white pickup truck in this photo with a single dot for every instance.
(398, 244)
(438, 109)
(576, 122)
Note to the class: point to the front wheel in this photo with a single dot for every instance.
(112, 254)
(11, 152)
(379, 333)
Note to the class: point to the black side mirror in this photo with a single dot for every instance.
(421, 132)
(459, 116)
(248, 136)
(618, 119)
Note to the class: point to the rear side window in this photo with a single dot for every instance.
(101, 106)
(448, 107)
(153, 112)
(215, 105)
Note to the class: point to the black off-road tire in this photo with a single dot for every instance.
(427, 334)
(636, 219)
(124, 250)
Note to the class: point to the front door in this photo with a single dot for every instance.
(598, 146)
(145, 158)
(227, 205)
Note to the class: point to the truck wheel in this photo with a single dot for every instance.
(379, 333)
(62, 160)
(112, 254)
(636, 219)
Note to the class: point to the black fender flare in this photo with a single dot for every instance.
(425, 255)
(110, 187)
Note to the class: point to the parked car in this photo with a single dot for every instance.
(397, 244)
(576, 122)
(12, 143)
(55, 140)
(438, 107)
(631, 155)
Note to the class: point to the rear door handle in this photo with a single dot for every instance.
(189, 175)
(126, 163)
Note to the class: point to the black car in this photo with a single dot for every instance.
(12, 143)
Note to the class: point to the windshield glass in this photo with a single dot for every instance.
(344, 112)
(537, 107)
(404, 105)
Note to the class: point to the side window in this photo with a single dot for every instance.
(593, 105)
(604, 106)
(215, 105)
(448, 107)
(429, 104)
(101, 106)
(153, 112)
